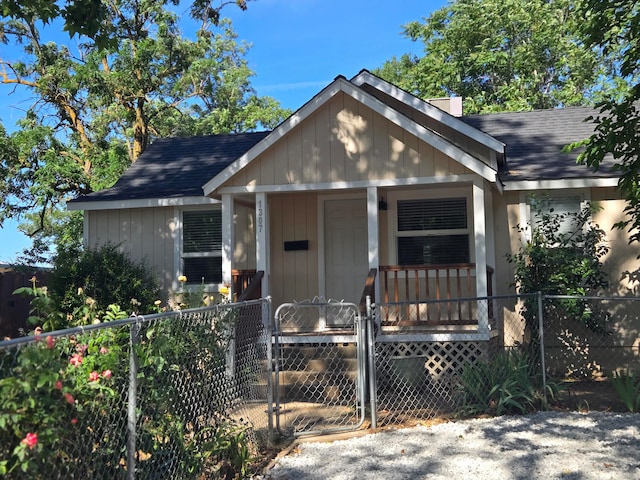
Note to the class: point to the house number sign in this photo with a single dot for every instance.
(260, 214)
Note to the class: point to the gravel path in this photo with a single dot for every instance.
(545, 445)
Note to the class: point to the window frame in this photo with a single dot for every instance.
(527, 212)
(430, 194)
(211, 286)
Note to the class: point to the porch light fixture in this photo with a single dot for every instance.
(382, 205)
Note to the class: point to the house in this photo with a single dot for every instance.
(363, 177)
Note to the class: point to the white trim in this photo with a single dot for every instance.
(360, 184)
(228, 240)
(458, 190)
(141, 203)
(263, 247)
(470, 336)
(373, 233)
(560, 184)
(429, 110)
(341, 84)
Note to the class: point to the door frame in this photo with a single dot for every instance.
(321, 233)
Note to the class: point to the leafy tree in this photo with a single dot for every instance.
(613, 27)
(500, 55)
(98, 104)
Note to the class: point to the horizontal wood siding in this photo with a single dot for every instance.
(345, 141)
(143, 234)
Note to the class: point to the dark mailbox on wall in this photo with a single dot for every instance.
(294, 245)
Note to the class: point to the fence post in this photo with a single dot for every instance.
(541, 341)
(372, 363)
(134, 335)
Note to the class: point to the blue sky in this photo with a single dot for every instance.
(297, 47)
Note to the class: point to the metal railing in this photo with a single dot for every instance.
(172, 395)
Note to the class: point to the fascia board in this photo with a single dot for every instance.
(429, 110)
(139, 203)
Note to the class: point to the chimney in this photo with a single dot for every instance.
(451, 105)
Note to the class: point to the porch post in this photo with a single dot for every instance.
(480, 241)
(228, 240)
(262, 239)
(373, 224)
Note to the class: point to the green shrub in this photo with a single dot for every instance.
(506, 384)
(627, 386)
(85, 283)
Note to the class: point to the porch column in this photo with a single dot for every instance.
(228, 240)
(262, 240)
(480, 241)
(373, 224)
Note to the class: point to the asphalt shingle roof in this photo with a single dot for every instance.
(534, 141)
(177, 167)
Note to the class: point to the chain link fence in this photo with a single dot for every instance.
(318, 370)
(173, 395)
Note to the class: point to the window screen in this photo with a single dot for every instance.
(202, 246)
(562, 205)
(433, 231)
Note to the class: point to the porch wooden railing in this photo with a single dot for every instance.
(369, 290)
(430, 294)
(246, 284)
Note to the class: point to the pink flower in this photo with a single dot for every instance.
(58, 385)
(106, 374)
(76, 359)
(82, 348)
(51, 342)
(103, 350)
(69, 398)
(93, 376)
(74, 421)
(31, 440)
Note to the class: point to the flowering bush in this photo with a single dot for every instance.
(53, 394)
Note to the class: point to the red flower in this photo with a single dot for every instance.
(69, 398)
(76, 359)
(106, 374)
(74, 421)
(58, 385)
(31, 440)
(93, 376)
(50, 342)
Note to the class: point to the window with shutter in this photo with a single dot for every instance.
(433, 231)
(202, 246)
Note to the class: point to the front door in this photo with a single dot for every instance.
(346, 249)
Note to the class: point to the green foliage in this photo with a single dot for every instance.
(627, 386)
(507, 384)
(613, 26)
(98, 105)
(59, 391)
(84, 284)
(500, 55)
(557, 261)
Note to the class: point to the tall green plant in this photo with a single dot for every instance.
(557, 260)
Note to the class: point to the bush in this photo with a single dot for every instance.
(85, 283)
(507, 384)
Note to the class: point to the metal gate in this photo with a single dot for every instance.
(319, 367)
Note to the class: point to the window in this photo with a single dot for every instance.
(565, 206)
(433, 231)
(202, 246)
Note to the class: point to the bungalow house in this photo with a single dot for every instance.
(364, 177)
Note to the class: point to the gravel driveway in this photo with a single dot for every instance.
(544, 445)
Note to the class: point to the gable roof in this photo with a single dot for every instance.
(341, 84)
(176, 167)
(535, 141)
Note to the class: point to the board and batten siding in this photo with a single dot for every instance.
(345, 141)
(294, 274)
(144, 234)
